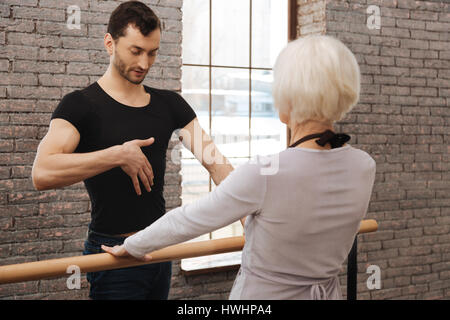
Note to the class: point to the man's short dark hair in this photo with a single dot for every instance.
(135, 13)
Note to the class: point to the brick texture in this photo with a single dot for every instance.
(402, 120)
(40, 61)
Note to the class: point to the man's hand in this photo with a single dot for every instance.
(57, 165)
(135, 163)
(120, 251)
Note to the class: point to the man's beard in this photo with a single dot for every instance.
(121, 68)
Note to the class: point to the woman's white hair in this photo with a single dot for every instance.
(316, 78)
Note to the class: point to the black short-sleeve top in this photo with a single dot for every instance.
(104, 122)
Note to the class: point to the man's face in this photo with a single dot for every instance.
(135, 53)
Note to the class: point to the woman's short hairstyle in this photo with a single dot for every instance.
(316, 78)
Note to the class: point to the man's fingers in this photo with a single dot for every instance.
(136, 185)
(146, 142)
(149, 171)
(149, 174)
(144, 180)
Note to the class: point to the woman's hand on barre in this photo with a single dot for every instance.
(120, 251)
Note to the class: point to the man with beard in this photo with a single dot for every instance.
(114, 135)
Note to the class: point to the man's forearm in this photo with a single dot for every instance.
(219, 172)
(195, 139)
(60, 170)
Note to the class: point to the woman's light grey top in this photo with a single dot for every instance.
(304, 208)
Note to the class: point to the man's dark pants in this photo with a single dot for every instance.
(147, 282)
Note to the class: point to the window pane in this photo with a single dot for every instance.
(230, 96)
(269, 31)
(195, 182)
(196, 31)
(235, 162)
(213, 261)
(230, 111)
(230, 32)
(268, 133)
(194, 185)
(195, 89)
(233, 230)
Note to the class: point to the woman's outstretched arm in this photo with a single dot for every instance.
(239, 195)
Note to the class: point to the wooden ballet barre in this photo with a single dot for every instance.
(367, 226)
(104, 261)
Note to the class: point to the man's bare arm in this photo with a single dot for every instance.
(195, 139)
(56, 165)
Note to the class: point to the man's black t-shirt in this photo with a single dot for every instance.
(104, 122)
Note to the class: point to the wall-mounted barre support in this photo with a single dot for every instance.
(352, 263)
(104, 261)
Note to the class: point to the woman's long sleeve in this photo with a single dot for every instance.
(239, 195)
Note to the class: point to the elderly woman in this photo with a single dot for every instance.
(302, 217)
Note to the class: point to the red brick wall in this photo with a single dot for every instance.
(40, 61)
(402, 120)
